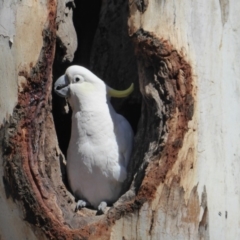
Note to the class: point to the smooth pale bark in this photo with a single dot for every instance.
(187, 188)
(19, 25)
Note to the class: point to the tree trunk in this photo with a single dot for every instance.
(183, 59)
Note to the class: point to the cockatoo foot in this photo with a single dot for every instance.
(81, 204)
(101, 208)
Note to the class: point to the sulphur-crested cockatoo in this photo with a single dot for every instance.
(101, 140)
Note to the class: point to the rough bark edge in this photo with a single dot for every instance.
(157, 142)
(24, 178)
(173, 81)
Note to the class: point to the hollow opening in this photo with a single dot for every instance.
(85, 28)
(94, 35)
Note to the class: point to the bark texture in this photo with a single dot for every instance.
(179, 167)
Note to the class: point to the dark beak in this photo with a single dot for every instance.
(61, 87)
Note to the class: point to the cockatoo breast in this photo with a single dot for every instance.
(93, 156)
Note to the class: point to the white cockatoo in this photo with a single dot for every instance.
(101, 140)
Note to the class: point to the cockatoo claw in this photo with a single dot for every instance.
(80, 204)
(101, 208)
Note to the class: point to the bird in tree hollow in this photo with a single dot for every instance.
(101, 140)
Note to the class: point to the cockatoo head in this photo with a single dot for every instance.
(82, 88)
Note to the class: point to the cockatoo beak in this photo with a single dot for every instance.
(120, 94)
(61, 86)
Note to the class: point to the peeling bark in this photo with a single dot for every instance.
(66, 34)
(161, 197)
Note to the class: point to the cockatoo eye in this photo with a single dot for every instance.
(78, 79)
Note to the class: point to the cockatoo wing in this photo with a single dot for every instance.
(124, 135)
(124, 138)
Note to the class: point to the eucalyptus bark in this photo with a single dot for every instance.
(183, 175)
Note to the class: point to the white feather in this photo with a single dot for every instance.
(101, 141)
